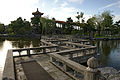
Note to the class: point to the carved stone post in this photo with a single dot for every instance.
(92, 72)
(19, 53)
(64, 67)
(56, 49)
(28, 52)
(44, 50)
(71, 55)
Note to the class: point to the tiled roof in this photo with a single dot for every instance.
(37, 12)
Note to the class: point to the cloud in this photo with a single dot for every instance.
(116, 18)
(55, 1)
(12, 9)
(112, 4)
(76, 1)
(64, 4)
(63, 12)
(43, 4)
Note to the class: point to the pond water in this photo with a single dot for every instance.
(109, 50)
(109, 53)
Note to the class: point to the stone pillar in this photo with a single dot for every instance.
(67, 44)
(84, 52)
(19, 53)
(28, 52)
(71, 55)
(44, 50)
(95, 51)
(92, 72)
(74, 46)
(64, 67)
(56, 49)
(75, 73)
(51, 59)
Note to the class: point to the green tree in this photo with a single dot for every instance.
(48, 25)
(18, 26)
(2, 28)
(91, 26)
(107, 20)
(104, 21)
(69, 26)
(37, 26)
(80, 16)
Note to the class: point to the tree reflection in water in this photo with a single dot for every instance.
(109, 52)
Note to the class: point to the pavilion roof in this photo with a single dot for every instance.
(37, 12)
(60, 21)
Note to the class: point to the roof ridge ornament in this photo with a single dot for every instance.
(37, 9)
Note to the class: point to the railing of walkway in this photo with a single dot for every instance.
(70, 67)
(75, 70)
(9, 72)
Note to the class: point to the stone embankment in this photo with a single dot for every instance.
(110, 73)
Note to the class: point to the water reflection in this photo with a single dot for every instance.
(109, 53)
(25, 42)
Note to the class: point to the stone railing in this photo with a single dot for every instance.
(9, 72)
(75, 70)
(74, 53)
(76, 45)
(42, 49)
(70, 67)
(59, 59)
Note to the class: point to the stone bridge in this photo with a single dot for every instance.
(65, 53)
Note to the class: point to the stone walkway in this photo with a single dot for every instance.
(43, 60)
(34, 71)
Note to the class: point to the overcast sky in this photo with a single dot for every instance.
(60, 9)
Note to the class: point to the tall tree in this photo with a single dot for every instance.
(48, 25)
(18, 26)
(80, 16)
(2, 28)
(69, 26)
(37, 26)
(91, 25)
(107, 19)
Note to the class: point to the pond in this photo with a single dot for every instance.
(109, 53)
(109, 50)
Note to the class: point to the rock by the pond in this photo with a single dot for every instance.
(110, 73)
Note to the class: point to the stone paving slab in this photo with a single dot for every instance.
(34, 71)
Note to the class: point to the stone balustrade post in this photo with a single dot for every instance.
(71, 55)
(56, 49)
(74, 46)
(28, 52)
(19, 53)
(64, 67)
(44, 50)
(84, 52)
(92, 71)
